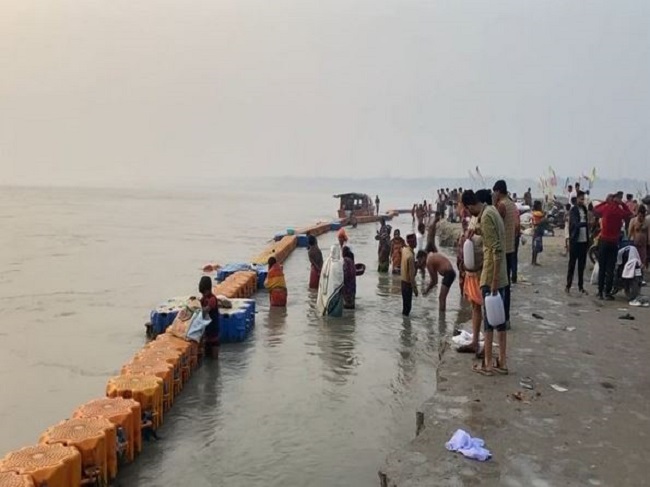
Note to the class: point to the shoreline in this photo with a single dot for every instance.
(593, 433)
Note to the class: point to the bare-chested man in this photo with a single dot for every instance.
(436, 263)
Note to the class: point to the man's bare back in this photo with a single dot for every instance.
(438, 264)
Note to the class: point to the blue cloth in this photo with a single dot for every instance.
(197, 327)
(469, 447)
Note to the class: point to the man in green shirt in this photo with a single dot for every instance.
(494, 276)
(408, 271)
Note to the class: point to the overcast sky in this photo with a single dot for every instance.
(155, 90)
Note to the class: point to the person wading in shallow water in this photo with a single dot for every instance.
(276, 284)
(210, 307)
(436, 263)
(396, 246)
(316, 260)
(494, 277)
(349, 292)
(407, 271)
(383, 250)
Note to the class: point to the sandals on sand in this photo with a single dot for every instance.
(479, 369)
(498, 369)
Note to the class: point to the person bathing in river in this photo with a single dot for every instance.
(349, 279)
(342, 237)
(396, 246)
(276, 284)
(436, 263)
(422, 241)
(407, 274)
(316, 261)
(383, 250)
(210, 307)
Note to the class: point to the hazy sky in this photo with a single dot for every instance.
(156, 90)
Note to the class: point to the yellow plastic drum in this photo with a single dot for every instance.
(158, 368)
(13, 479)
(123, 413)
(95, 439)
(146, 389)
(54, 465)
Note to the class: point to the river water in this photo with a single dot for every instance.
(304, 401)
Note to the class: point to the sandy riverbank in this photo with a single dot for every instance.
(595, 433)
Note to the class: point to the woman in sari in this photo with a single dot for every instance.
(316, 261)
(396, 246)
(349, 279)
(276, 284)
(383, 251)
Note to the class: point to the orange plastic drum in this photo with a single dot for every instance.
(123, 413)
(56, 465)
(146, 389)
(158, 368)
(166, 354)
(171, 340)
(94, 438)
(13, 479)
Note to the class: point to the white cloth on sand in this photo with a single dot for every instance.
(473, 448)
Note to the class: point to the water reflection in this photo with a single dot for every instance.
(307, 401)
(275, 325)
(336, 341)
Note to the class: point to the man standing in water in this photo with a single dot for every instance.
(494, 277)
(409, 285)
(377, 203)
(508, 211)
(436, 263)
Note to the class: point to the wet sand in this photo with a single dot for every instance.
(595, 433)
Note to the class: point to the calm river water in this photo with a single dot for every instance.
(303, 402)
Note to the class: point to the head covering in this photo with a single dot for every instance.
(342, 235)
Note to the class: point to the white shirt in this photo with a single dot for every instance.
(420, 241)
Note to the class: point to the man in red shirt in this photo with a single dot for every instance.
(613, 214)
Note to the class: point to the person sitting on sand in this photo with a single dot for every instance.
(276, 284)
(436, 263)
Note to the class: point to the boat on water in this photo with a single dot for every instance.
(355, 205)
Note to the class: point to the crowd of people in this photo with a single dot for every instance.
(491, 222)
